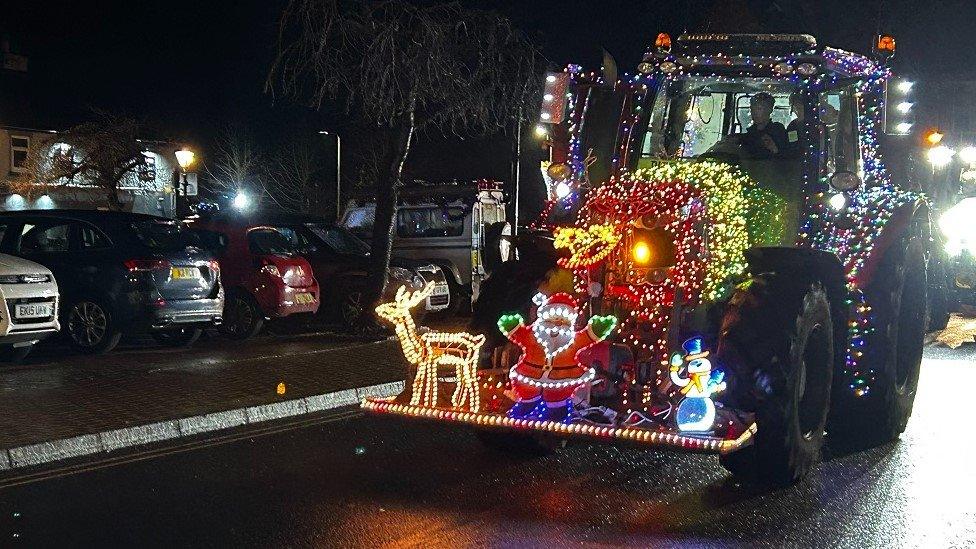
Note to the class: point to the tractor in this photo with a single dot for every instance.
(729, 209)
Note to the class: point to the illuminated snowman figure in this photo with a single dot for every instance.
(696, 411)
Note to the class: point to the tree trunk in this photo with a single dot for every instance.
(387, 193)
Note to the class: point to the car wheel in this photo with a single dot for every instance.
(178, 337)
(92, 328)
(777, 343)
(9, 353)
(242, 317)
(898, 300)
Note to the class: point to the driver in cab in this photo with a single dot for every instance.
(764, 138)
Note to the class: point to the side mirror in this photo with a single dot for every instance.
(845, 180)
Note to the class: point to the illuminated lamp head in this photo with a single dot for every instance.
(885, 44)
(652, 248)
(933, 137)
(663, 42)
(641, 253)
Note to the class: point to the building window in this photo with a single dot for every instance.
(19, 145)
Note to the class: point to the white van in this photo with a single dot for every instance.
(460, 228)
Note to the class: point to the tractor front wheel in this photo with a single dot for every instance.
(777, 343)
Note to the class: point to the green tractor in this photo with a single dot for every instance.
(728, 206)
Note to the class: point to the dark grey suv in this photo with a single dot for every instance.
(120, 273)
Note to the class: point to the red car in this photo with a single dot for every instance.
(263, 276)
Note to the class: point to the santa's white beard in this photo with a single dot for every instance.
(554, 337)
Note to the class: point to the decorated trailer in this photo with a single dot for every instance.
(746, 275)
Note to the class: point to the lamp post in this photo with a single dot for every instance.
(184, 157)
(338, 172)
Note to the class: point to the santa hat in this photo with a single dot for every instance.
(561, 300)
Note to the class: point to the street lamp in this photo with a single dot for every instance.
(241, 200)
(338, 171)
(184, 157)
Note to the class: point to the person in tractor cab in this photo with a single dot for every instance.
(764, 138)
(797, 133)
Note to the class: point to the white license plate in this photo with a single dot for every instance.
(441, 290)
(33, 310)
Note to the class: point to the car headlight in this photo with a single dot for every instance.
(418, 281)
(958, 227)
(400, 274)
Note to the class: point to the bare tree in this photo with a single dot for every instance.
(292, 179)
(405, 67)
(237, 163)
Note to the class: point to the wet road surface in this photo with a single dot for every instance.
(365, 481)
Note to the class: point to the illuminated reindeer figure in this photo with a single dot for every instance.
(434, 350)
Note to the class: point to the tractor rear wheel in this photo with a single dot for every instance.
(777, 342)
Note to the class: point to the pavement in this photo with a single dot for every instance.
(361, 481)
(61, 405)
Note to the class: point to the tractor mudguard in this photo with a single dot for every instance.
(901, 218)
(804, 264)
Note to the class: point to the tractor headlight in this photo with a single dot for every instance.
(958, 227)
(641, 253)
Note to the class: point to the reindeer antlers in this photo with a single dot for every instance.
(409, 300)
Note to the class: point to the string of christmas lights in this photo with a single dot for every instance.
(429, 351)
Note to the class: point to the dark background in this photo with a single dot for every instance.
(190, 67)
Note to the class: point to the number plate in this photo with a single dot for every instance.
(441, 289)
(180, 273)
(304, 299)
(33, 310)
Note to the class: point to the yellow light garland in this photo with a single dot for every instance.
(588, 246)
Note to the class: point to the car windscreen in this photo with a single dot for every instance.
(339, 239)
(430, 222)
(164, 236)
(212, 241)
(268, 241)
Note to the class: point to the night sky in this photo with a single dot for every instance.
(189, 67)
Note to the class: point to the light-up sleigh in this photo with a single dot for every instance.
(730, 294)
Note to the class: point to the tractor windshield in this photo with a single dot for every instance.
(710, 116)
(749, 122)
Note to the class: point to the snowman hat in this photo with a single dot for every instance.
(694, 349)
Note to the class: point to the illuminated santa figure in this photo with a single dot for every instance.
(549, 372)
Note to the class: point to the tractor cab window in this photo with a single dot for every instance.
(838, 120)
(699, 117)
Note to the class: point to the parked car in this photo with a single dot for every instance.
(120, 273)
(263, 274)
(340, 261)
(460, 228)
(30, 296)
